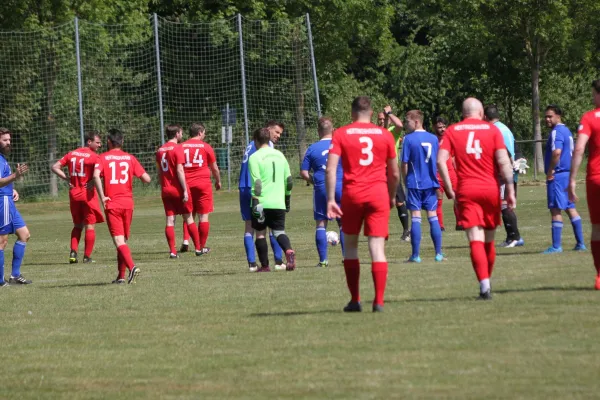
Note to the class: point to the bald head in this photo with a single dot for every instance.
(472, 108)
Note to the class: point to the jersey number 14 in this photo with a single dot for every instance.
(196, 160)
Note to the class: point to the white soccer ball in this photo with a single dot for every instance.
(333, 238)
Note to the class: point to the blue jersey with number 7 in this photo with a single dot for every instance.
(419, 151)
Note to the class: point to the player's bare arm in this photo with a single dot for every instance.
(145, 178)
(553, 163)
(404, 172)
(99, 188)
(576, 161)
(214, 168)
(443, 156)
(304, 174)
(181, 178)
(395, 120)
(506, 172)
(333, 210)
(19, 172)
(15, 195)
(58, 171)
(393, 178)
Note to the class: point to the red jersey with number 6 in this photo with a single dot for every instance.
(364, 149)
(80, 163)
(198, 155)
(118, 169)
(473, 143)
(590, 126)
(168, 156)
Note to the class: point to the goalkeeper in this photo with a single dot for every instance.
(271, 189)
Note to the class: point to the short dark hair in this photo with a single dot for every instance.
(116, 137)
(361, 104)
(196, 128)
(261, 136)
(273, 122)
(172, 130)
(557, 110)
(596, 85)
(324, 125)
(5, 131)
(441, 119)
(91, 135)
(491, 111)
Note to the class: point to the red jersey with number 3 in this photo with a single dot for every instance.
(198, 156)
(473, 143)
(118, 169)
(364, 149)
(168, 156)
(590, 126)
(81, 163)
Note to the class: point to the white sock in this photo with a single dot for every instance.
(484, 285)
(186, 242)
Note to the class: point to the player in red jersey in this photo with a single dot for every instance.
(440, 126)
(83, 200)
(371, 175)
(480, 155)
(118, 169)
(200, 161)
(589, 131)
(174, 191)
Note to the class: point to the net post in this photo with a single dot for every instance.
(313, 64)
(243, 71)
(159, 80)
(79, 86)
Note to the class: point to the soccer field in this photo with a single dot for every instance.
(204, 327)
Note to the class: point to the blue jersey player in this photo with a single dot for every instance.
(11, 221)
(557, 165)
(315, 160)
(419, 158)
(245, 186)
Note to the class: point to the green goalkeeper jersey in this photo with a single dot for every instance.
(271, 178)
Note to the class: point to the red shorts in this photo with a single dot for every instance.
(85, 211)
(453, 180)
(202, 199)
(374, 212)
(479, 208)
(175, 206)
(119, 221)
(592, 191)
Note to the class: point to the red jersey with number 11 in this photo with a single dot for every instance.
(590, 126)
(168, 156)
(198, 156)
(118, 169)
(81, 164)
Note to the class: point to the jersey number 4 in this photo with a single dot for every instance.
(474, 146)
(366, 150)
(196, 160)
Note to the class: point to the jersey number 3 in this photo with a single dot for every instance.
(474, 146)
(366, 150)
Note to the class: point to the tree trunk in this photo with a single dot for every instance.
(535, 114)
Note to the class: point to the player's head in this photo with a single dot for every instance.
(325, 127)
(261, 136)
(440, 125)
(553, 115)
(197, 130)
(472, 108)
(413, 120)
(174, 132)
(114, 139)
(380, 119)
(93, 140)
(275, 129)
(5, 135)
(491, 113)
(596, 92)
(361, 109)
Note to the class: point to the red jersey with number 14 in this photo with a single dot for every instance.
(590, 126)
(81, 163)
(118, 169)
(198, 156)
(473, 143)
(364, 149)
(168, 156)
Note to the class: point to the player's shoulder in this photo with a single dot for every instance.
(562, 128)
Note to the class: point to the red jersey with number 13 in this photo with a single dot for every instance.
(473, 143)
(118, 169)
(168, 156)
(198, 156)
(81, 164)
(364, 149)
(590, 126)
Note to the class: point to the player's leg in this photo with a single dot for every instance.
(577, 228)
(3, 243)
(204, 207)
(592, 189)
(342, 237)
(413, 200)
(203, 230)
(19, 253)
(321, 242)
(277, 250)
(186, 236)
(353, 219)
(90, 240)
(430, 204)
(376, 228)
(490, 249)
(275, 220)
(440, 209)
(403, 212)
(192, 229)
(263, 250)
(555, 205)
(170, 235)
(338, 199)
(245, 209)
(595, 245)
(479, 259)
(77, 214)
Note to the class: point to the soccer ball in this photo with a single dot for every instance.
(333, 238)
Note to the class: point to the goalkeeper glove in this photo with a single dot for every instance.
(257, 211)
(520, 166)
(287, 203)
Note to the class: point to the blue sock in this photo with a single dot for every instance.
(321, 239)
(577, 229)
(342, 241)
(415, 236)
(436, 234)
(249, 246)
(18, 254)
(557, 234)
(276, 247)
(2, 265)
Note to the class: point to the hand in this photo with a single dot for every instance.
(105, 200)
(511, 200)
(550, 176)
(15, 195)
(88, 186)
(387, 109)
(333, 210)
(218, 185)
(258, 212)
(185, 197)
(392, 202)
(72, 187)
(21, 170)
(572, 188)
(520, 166)
(450, 193)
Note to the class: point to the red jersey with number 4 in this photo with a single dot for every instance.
(198, 156)
(364, 149)
(118, 169)
(168, 156)
(590, 126)
(473, 143)
(80, 163)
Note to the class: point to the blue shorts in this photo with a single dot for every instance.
(320, 202)
(245, 203)
(422, 199)
(10, 218)
(558, 197)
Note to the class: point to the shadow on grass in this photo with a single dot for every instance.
(433, 300)
(295, 313)
(79, 285)
(547, 289)
(520, 253)
(215, 273)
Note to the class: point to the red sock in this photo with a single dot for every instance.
(90, 239)
(479, 260)
(203, 228)
(596, 254)
(352, 269)
(186, 232)
(440, 212)
(170, 234)
(125, 253)
(456, 214)
(490, 252)
(75, 236)
(193, 229)
(121, 266)
(379, 270)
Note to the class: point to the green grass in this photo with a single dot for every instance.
(206, 328)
